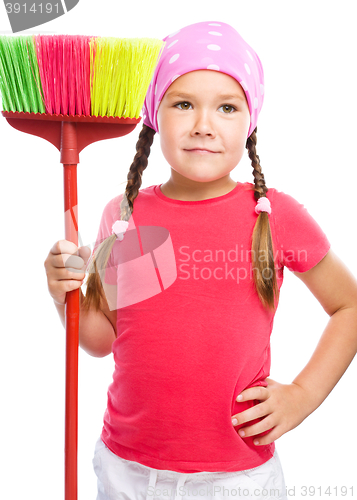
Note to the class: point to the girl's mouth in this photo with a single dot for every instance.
(200, 151)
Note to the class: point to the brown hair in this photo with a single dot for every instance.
(262, 242)
(95, 293)
(261, 239)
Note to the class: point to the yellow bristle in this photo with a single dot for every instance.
(121, 70)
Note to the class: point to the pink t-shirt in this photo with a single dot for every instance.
(192, 332)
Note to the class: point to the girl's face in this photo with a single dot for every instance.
(203, 122)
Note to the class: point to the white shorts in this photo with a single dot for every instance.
(120, 479)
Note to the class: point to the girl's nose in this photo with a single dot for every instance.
(203, 125)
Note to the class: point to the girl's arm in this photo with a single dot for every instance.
(285, 406)
(336, 289)
(97, 329)
(65, 269)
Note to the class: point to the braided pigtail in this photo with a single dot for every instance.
(95, 294)
(262, 243)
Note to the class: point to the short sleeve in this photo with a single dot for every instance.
(301, 242)
(109, 216)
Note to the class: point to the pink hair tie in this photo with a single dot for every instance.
(263, 205)
(119, 227)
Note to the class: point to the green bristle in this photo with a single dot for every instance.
(122, 70)
(18, 65)
(7, 76)
(35, 81)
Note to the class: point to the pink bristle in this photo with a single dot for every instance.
(80, 72)
(64, 93)
(56, 77)
(77, 53)
(86, 76)
(48, 71)
(81, 81)
(94, 47)
(75, 76)
(64, 66)
(71, 81)
(53, 74)
(64, 83)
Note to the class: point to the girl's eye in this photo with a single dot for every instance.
(227, 108)
(183, 103)
(227, 111)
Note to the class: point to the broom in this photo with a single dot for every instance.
(73, 91)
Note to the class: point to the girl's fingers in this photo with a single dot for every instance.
(259, 392)
(67, 254)
(268, 438)
(63, 274)
(73, 262)
(70, 262)
(257, 428)
(67, 261)
(85, 253)
(64, 246)
(257, 411)
(65, 269)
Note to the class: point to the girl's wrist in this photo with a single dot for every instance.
(58, 303)
(309, 399)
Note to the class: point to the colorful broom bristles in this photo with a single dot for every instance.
(64, 67)
(77, 75)
(122, 71)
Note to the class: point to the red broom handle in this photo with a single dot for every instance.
(71, 134)
(72, 328)
(69, 152)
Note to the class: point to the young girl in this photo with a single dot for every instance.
(184, 285)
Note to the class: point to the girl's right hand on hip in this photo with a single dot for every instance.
(65, 268)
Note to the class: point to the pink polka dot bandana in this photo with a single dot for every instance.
(207, 45)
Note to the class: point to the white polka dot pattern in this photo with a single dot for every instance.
(250, 55)
(171, 44)
(174, 58)
(244, 85)
(212, 46)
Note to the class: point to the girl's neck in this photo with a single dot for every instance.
(197, 191)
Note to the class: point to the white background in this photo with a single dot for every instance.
(306, 141)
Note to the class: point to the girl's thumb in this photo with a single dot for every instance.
(85, 253)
